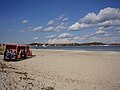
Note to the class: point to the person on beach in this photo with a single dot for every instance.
(8, 54)
(13, 53)
(23, 54)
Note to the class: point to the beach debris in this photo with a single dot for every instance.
(47, 88)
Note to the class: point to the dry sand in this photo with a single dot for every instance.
(62, 70)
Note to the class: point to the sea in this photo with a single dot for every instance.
(85, 48)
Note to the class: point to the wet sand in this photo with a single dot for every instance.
(62, 70)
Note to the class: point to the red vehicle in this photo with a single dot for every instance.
(15, 51)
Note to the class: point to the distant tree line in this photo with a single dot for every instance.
(74, 44)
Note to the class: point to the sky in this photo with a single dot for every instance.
(59, 21)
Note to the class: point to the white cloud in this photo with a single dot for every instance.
(51, 28)
(106, 23)
(35, 38)
(57, 24)
(25, 21)
(110, 23)
(108, 14)
(105, 14)
(107, 20)
(103, 28)
(100, 28)
(56, 28)
(89, 18)
(63, 24)
(51, 22)
(51, 36)
(107, 39)
(65, 19)
(106, 17)
(39, 28)
(65, 35)
(100, 32)
(60, 17)
(60, 40)
(60, 27)
(78, 26)
(76, 38)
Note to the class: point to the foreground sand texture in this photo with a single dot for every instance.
(62, 70)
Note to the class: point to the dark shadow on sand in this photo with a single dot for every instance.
(13, 60)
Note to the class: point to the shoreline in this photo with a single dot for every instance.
(83, 48)
(75, 50)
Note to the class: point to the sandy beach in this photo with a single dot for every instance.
(62, 70)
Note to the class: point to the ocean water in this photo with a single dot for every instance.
(86, 48)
